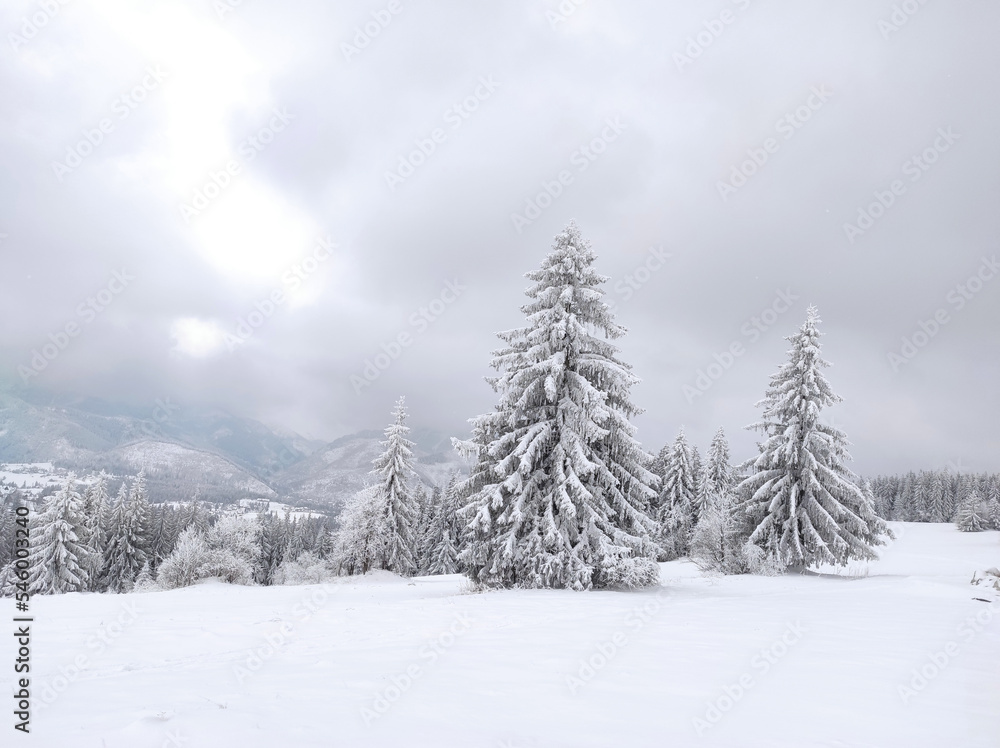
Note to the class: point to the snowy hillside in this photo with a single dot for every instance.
(744, 661)
(337, 471)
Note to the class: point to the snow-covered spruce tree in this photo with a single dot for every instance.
(360, 542)
(378, 527)
(719, 473)
(427, 505)
(973, 513)
(394, 471)
(444, 537)
(94, 510)
(806, 506)
(60, 559)
(677, 513)
(125, 553)
(561, 491)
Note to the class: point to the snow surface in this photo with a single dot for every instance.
(493, 667)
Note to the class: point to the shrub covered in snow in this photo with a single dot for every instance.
(308, 568)
(228, 550)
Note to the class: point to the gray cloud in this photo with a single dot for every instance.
(655, 184)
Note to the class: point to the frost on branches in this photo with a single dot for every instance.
(805, 505)
(676, 506)
(378, 527)
(60, 558)
(560, 493)
(973, 513)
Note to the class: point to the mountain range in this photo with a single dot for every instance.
(189, 451)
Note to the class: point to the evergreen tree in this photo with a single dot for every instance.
(444, 537)
(719, 473)
(394, 471)
(677, 511)
(126, 549)
(360, 542)
(379, 526)
(973, 514)
(560, 493)
(807, 507)
(94, 511)
(60, 560)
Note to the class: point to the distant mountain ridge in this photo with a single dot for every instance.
(207, 451)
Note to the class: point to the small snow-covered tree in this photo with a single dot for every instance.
(560, 493)
(360, 541)
(973, 513)
(806, 506)
(94, 511)
(60, 560)
(719, 473)
(444, 537)
(677, 513)
(378, 527)
(228, 550)
(125, 553)
(181, 568)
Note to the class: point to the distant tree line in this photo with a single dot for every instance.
(972, 501)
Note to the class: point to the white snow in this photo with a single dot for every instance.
(491, 669)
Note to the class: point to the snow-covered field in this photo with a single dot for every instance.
(380, 661)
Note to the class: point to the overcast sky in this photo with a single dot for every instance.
(312, 128)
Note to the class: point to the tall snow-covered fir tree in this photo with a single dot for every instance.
(378, 528)
(560, 493)
(806, 506)
(60, 558)
(394, 472)
(677, 512)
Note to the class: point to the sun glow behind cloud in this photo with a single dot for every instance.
(247, 230)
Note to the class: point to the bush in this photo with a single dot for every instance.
(228, 550)
(627, 572)
(308, 568)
